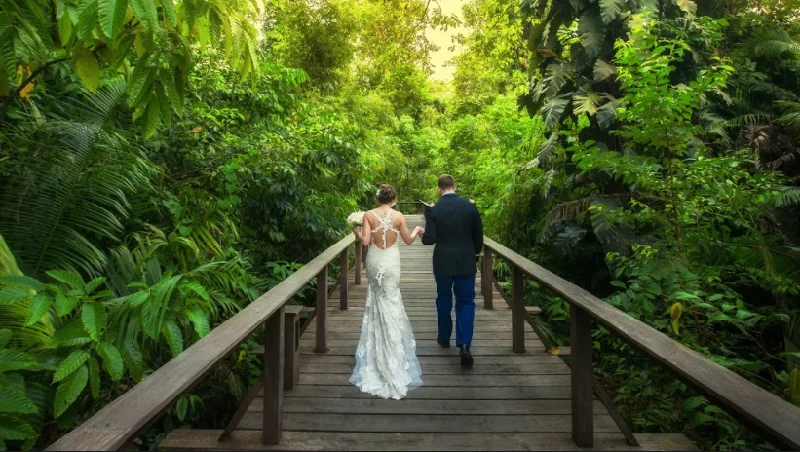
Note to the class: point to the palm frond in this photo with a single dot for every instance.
(72, 194)
(568, 211)
(771, 42)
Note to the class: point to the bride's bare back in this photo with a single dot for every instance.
(384, 227)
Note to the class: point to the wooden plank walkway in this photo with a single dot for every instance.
(507, 401)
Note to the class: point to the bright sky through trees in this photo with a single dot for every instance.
(444, 40)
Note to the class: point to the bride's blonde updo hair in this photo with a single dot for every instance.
(386, 194)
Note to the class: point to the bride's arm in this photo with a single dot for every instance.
(365, 234)
(408, 239)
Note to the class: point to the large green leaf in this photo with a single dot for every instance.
(94, 377)
(553, 109)
(71, 334)
(133, 359)
(13, 295)
(112, 360)
(70, 364)
(39, 306)
(65, 29)
(65, 304)
(87, 20)
(8, 53)
(21, 281)
(585, 102)
(687, 6)
(603, 70)
(13, 428)
(151, 115)
(71, 279)
(170, 16)
(610, 9)
(200, 319)
(592, 31)
(70, 389)
(94, 319)
(172, 332)
(12, 401)
(94, 284)
(86, 66)
(15, 360)
(146, 12)
(112, 16)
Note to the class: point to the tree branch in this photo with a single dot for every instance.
(11, 97)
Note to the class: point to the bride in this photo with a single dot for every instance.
(386, 359)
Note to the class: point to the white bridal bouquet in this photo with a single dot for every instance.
(356, 219)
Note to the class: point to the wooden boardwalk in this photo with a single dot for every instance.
(507, 401)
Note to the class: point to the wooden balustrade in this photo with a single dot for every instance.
(123, 418)
(768, 414)
(126, 416)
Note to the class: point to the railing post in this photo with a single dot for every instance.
(357, 266)
(322, 309)
(291, 368)
(518, 312)
(581, 370)
(273, 377)
(343, 289)
(486, 278)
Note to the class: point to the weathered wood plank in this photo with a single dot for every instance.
(419, 335)
(128, 414)
(510, 394)
(455, 369)
(421, 423)
(445, 359)
(420, 342)
(772, 416)
(432, 381)
(477, 352)
(472, 441)
(423, 406)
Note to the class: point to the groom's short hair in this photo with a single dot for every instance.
(446, 182)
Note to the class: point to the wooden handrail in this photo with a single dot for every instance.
(127, 415)
(777, 420)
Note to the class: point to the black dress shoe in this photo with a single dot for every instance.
(466, 357)
(443, 344)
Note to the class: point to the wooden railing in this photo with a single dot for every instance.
(774, 418)
(126, 416)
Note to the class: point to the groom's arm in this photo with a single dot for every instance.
(429, 237)
(477, 232)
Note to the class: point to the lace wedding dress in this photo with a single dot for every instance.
(386, 358)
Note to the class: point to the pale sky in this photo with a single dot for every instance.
(443, 40)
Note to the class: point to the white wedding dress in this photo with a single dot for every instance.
(386, 358)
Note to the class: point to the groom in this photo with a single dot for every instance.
(454, 226)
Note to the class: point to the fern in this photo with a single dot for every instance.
(12, 401)
(15, 360)
(94, 319)
(77, 188)
(70, 364)
(12, 428)
(112, 360)
(39, 307)
(568, 211)
(790, 196)
(771, 42)
(70, 389)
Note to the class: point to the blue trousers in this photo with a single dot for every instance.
(464, 287)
